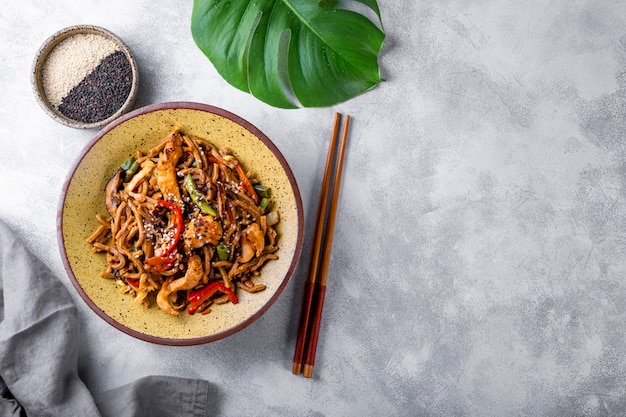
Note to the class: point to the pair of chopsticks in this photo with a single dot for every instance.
(315, 286)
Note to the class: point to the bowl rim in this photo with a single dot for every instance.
(40, 58)
(299, 242)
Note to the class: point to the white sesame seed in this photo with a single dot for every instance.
(71, 61)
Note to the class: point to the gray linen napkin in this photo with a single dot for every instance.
(39, 360)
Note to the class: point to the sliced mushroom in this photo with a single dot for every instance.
(112, 197)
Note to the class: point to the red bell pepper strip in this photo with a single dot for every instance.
(162, 263)
(197, 297)
(225, 208)
(177, 227)
(213, 160)
(229, 212)
(165, 257)
(132, 282)
(245, 182)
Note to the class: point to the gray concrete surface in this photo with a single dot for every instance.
(478, 263)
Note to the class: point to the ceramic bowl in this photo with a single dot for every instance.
(40, 61)
(83, 197)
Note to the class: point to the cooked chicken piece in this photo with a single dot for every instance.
(252, 242)
(163, 298)
(200, 231)
(166, 167)
(170, 287)
(192, 276)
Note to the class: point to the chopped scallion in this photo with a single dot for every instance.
(223, 252)
(264, 203)
(130, 167)
(262, 190)
(198, 198)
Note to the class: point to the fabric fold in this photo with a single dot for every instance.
(39, 353)
(156, 396)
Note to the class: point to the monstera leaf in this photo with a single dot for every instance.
(291, 53)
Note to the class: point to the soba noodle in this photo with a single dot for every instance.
(187, 226)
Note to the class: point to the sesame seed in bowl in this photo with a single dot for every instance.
(85, 76)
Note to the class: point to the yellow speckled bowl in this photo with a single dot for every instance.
(83, 198)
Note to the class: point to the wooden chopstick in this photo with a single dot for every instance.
(315, 286)
(309, 358)
(309, 285)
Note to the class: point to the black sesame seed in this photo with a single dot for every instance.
(100, 94)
